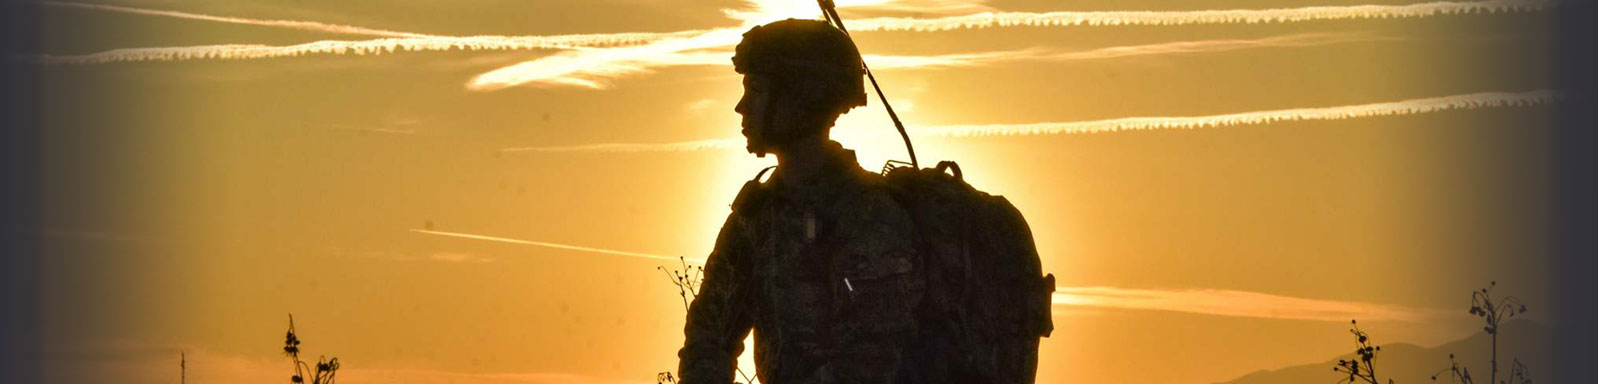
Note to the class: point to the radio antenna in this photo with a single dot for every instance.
(830, 12)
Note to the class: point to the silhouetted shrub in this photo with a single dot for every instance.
(325, 368)
(1363, 369)
(1493, 313)
(687, 281)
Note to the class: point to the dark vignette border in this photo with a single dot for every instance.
(1575, 197)
(19, 180)
(1576, 194)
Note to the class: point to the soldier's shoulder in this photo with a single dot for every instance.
(753, 193)
(876, 200)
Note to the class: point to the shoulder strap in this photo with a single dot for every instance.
(751, 192)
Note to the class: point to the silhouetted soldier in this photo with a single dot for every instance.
(819, 260)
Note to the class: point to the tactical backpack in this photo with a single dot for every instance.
(987, 300)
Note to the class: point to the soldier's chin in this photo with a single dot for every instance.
(759, 152)
(758, 148)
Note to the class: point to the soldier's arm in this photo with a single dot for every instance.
(719, 318)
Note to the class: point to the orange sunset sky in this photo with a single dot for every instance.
(482, 191)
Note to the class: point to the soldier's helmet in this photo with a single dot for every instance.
(808, 56)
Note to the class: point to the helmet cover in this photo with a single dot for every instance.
(805, 53)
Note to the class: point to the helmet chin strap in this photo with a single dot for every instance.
(761, 143)
(767, 137)
(770, 136)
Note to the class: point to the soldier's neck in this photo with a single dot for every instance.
(802, 160)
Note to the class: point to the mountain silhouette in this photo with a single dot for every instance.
(1404, 363)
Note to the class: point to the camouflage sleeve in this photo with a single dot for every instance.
(880, 297)
(719, 318)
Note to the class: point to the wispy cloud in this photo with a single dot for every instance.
(1222, 302)
(389, 41)
(701, 105)
(765, 11)
(933, 7)
(1202, 46)
(567, 65)
(555, 245)
(681, 146)
(391, 255)
(590, 68)
(290, 24)
(967, 15)
(1218, 302)
(369, 129)
(592, 60)
(456, 257)
(360, 47)
(1396, 108)
(1166, 48)
(1229, 16)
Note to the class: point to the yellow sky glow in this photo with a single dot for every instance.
(1396, 108)
(197, 196)
(1231, 303)
(585, 66)
(1200, 301)
(291, 24)
(556, 245)
(1219, 16)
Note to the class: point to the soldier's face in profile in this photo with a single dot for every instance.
(755, 106)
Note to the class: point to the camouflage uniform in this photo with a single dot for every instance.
(824, 273)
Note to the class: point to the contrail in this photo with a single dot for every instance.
(291, 24)
(1222, 302)
(707, 58)
(1168, 48)
(594, 65)
(491, 43)
(1405, 107)
(1201, 46)
(685, 146)
(765, 11)
(1231, 16)
(1200, 301)
(586, 67)
(360, 47)
(590, 68)
(389, 41)
(558, 246)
